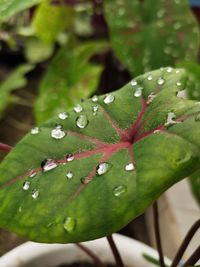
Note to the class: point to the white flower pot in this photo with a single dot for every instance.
(32, 254)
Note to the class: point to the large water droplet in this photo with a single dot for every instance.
(160, 81)
(102, 168)
(95, 98)
(94, 110)
(133, 82)
(109, 99)
(58, 133)
(169, 69)
(35, 130)
(48, 164)
(69, 175)
(26, 185)
(149, 78)
(32, 173)
(69, 224)
(178, 83)
(138, 92)
(129, 167)
(63, 115)
(119, 190)
(35, 193)
(182, 94)
(170, 119)
(82, 121)
(151, 97)
(78, 108)
(70, 157)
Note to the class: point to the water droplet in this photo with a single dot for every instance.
(102, 168)
(58, 133)
(169, 69)
(160, 81)
(82, 121)
(133, 82)
(32, 173)
(70, 157)
(63, 115)
(69, 175)
(85, 180)
(197, 117)
(170, 119)
(35, 130)
(109, 99)
(129, 167)
(69, 224)
(178, 83)
(177, 71)
(78, 108)
(156, 131)
(182, 94)
(95, 98)
(151, 97)
(149, 78)
(95, 109)
(185, 158)
(26, 185)
(48, 164)
(119, 190)
(35, 194)
(138, 92)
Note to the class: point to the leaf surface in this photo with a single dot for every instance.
(15, 80)
(70, 77)
(146, 35)
(106, 166)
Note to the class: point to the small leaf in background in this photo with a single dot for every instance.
(69, 78)
(36, 51)
(193, 86)
(50, 20)
(8, 8)
(102, 163)
(146, 35)
(15, 80)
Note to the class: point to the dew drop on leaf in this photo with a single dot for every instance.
(35, 130)
(69, 175)
(26, 185)
(63, 115)
(160, 81)
(95, 98)
(170, 119)
(94, 110)
(156, 131)
(185, 158)
(78, 108)
(133, 82)
(102, 168)
(169, 69)
(149, 78)
(119, 190)
(151, 97)
(32, 173)
(109, 99)
(58, 133)
(182, 94)
(70, 157)
(69, 224)
(129, 167)
(48, 164)
(82, 121)
(197, 117)
(138, 92)
(178, 83)
(35, 193)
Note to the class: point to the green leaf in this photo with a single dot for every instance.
(15, 80)
(193, 85)
(146, 35)
(69, 78)
(104, 168)
(46, 28)
(8, 8)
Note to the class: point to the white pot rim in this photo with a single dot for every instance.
(30, 254)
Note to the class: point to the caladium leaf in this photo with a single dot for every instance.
(88, 172)
(146, 35)
(15, 80)
(11, 7)
(70, 77)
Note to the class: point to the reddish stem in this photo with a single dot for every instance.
(6, 148)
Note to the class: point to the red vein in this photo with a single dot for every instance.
(86, 137)
(6, 148)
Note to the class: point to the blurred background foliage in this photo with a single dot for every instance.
(54, 53)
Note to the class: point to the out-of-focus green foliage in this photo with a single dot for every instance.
(69, 78)
(15, 80)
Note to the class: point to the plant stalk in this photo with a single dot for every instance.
(157, 234)
(185, 243)
(118, 259)
(193, 258)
